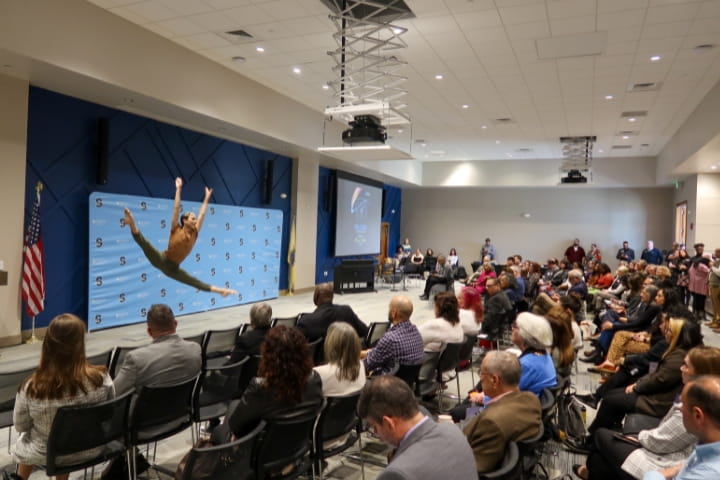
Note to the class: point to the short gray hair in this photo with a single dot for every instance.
(575, 273)
(260, 315)
(505, 365)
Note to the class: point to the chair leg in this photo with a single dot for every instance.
(131, 463)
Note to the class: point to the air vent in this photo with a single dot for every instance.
(705, 47)
(524, 150)
(637, 113)
(378, 10)
(645, 87)
(621, 147)
(239, 33)
(420, 140)
(503, 121)
(238, 59)
(627, 132)
(237, 37)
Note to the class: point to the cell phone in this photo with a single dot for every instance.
(627, 439)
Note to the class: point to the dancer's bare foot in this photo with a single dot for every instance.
(130, 221)
(223, 291)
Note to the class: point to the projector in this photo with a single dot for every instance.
(574, 176)
(365, 128)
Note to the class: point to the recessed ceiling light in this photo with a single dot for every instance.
(509, 155)
(297, 70)
(655, 58)
(625, 137)
(397, 30)
(632, 119)
(484, 127)
(438, 76)
(600, 151)
(326, 86)
(497, 142)
(259, 49)
(609, 97)
(465, 106)
(400, 130)
(423, 145)
(714, 167)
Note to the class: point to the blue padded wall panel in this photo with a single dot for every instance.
(325, 262)
(145, 157)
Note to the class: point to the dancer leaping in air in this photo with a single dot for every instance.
(183, 235)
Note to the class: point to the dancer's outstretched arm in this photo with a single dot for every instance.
(201, 214)
(176, 206)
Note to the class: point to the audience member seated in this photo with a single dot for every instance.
(533, 336)
(248, 344)
(430, 261)
(665, 446)
(435, 333)
(498, 309)
(168, 359)
(407, 248)
(285, 379)
(424, 450)
(344, 372)
(402, 344)
(562, 351)
(577, 286)
(471, 311)
(416, 263)
(452, 258)
(314, 325)
(479, 282)
(604, 277)
(701, 418)
(442, 275)
(509, 414)
(652, 394)
(63, 378)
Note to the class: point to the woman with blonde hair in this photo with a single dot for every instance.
(344, 372)
(63, 378)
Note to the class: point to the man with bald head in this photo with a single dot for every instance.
(401, 344)
(701, 417)
(314, 325)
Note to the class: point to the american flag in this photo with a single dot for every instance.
(33, 279)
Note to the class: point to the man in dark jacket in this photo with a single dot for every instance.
(314, 325)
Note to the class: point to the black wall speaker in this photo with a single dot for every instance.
(267, 181)
(103, 150)
(329, 192)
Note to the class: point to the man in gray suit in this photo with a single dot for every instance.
(443, 274)
(168, 359)
(424, 450)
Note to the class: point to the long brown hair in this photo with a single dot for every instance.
(63, 370)
(559, 320)
(285, 363)
(446, 306)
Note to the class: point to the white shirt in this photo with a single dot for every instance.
(468, 323)
(439, 331)
(332, 387)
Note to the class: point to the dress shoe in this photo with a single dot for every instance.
(590, 353)
(424, 297)
(596, 359)
(603, 370)
(581, 445)
(589, 399)
(580, 471)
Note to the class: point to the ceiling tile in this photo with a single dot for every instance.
(152, 10)
(671, 13)
(620, 20)
(186, 7)
(534, 12)
(180, 27)
(570, 26)
(478, 19)
(571, 8)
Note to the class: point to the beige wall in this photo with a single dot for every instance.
(687, 192)
(13, 140)
(463, 217)
(708, 211)
(305, 181)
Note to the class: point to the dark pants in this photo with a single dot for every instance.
(168, 267)
(613, 408)
(619, 379)
(607, 456)
(699, 305)
(432, 280)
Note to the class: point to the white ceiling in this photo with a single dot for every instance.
(487, 52)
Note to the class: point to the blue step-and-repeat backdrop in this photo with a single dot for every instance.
(237, 248)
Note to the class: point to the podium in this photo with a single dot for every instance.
(353, 276)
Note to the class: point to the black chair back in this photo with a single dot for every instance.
(244, 327)
(219, 343)
(103, 428)
(229, 461)
(338, 418)
(448, 359)
(510, 469)
(116, 361)
(317, 351)
(9, 383)
(287, 439)
(466, 350)
(376, 330)
(409, 374)
(102, 358)
(249, 371)
(287, 321)
(195, 338)
(216, 387)
(162, 411)
(530, 451)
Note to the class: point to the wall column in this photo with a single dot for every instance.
(305, 181)
(13, 152)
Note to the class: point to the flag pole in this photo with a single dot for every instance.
(33, 338)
